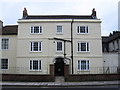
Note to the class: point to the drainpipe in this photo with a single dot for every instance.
(72, 44)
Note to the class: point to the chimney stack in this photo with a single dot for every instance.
(94, 14)
(25, 14)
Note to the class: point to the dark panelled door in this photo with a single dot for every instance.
(59, 67)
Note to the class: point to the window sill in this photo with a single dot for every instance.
(59, 52)
(59, 33)
(35, 51)
(4, 49)
(36, 33)
(35, 70)
(83, 71)
(4, 69)
(83, 52)
(82, 33)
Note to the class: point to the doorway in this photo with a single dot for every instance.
(59, 67)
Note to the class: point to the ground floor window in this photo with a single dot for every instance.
(35, 65)
(4, 64)
(83, 64)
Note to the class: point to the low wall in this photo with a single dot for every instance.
(68, 77)
(92, 77)
(29, 78)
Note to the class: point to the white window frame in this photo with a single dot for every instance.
(1, 44)
(79, 30)
(1, 64)
(32, 31)
(57, 47)
(31, 68)
(87, 47)
(59, 30)
(32, 46)
(87, 66)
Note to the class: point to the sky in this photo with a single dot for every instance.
(107, 10)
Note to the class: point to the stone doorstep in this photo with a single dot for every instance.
(59, 79)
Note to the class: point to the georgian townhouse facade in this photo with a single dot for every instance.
(57, 40)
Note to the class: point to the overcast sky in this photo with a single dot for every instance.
(107, 10)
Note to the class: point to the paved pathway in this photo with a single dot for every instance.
(60, 83)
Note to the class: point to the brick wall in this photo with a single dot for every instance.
(92, 77)
(68, 77)
(36, 78)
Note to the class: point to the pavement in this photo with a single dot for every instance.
(61, 84)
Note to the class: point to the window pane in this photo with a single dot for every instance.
(59, 29)
(83, 65)
(87, 46)
(5, 43)
(40, 65)
(78, 30)
(31, 29)
(88, 65)
(40, 46)
(87, 29)
(40, 29)
(82, 29)
(59, 46)
(30, 65)
(78, 64)
(31, 46)
(35, 46)
(78, 46)
(35, 65)
(4, 63)
(36, 29)
(83, 46)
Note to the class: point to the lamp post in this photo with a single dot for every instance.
(64, 47)
(64, 44)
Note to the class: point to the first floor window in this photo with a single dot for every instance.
(59, 46)
(83, 47)
(36, 46)
(35, 64)
(4, 63)
(4, 44)
(83, 64)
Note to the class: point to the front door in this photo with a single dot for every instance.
(59, 67)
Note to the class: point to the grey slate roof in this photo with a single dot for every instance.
(9, 30)
(59, 17)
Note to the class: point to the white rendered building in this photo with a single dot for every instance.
(57, 40)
